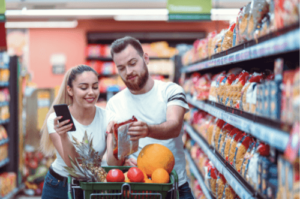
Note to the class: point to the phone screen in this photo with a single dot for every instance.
(63, 110)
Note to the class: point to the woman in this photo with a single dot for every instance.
(80, 92)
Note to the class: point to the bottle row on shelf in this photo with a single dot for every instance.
(258, 18)
(246, 165)
(274, 95)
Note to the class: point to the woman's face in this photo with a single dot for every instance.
(85, 91)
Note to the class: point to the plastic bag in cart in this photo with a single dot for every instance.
(124, 146)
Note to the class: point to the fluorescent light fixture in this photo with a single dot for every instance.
(40, 24)
(85, 12)
(118, 14)
(141, 18)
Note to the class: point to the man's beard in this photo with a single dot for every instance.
(141, 80)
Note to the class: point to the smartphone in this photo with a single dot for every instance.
(63, 110)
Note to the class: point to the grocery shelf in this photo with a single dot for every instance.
(4, 104)
(198, 175)
(248, 123)
(4, 121)
(110, 59)
(284, 43)
(14, 192)
(4, 162)
(4, 141)
(4, 84)
(238, 184)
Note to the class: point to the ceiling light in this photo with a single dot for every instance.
(141, 18)
(85, 12)
(44, 24)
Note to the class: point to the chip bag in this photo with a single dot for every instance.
(124, 146)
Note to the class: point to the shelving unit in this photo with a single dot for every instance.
(275, 137)
(14, 192)
(238, 184)
(4, 162)
(4, 84)
(4, 141)
(268, 45)
(4, 104)
(198, 175)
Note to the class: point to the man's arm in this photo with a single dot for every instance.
(167, 130)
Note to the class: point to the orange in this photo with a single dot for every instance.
(148, 181)
(160, 176)
(154, 156)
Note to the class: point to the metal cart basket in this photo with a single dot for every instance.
(121, 190)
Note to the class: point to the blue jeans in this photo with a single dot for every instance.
(185, 192)
(54, 189)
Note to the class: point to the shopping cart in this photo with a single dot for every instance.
(118, 190)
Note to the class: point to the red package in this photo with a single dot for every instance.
(203, 86)
(236, 88)
(248, 95)
(241, 149)
(228, 139)
(214, 86)
(216, 132)
(227, 128)
(123, 144)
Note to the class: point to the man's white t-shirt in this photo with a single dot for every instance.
(151, 108)
(97, 129)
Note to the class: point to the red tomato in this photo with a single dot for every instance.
(115, 175)
(135, 175)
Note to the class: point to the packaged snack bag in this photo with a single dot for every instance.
(212, 176)
(195, 78)
(205, 125)
(229, 138)
(210, 45)
(296, 96)
(259, 8)
(236, 88)
(210, 130)
(213, 87)
(241, 149)
(236, 31)
(221, 182)
(249, 154)
(220, 86)
(240, 136)
(243, 24)
(217, 129)
(228, 38)
(248, 96)
(224, 94)
(229, 193)
(124, 146)
(218, 41)
(286, 13)
(253, 171)
(203, 86)
(227, 128)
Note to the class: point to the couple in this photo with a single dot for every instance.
(158, 106)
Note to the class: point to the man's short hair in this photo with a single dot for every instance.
(120, 44)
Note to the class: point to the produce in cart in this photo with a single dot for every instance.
(86, 167)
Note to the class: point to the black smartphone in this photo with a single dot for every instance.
(63, 110)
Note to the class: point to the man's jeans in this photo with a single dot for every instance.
(185, 192)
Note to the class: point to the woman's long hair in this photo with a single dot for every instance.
(62, 97)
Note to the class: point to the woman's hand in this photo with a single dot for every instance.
(60, 128)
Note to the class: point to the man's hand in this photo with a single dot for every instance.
(138, 130)
(130, 162)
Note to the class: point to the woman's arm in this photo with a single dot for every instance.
(65, 147)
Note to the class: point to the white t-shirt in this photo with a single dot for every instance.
(97, 129)
(151, 108)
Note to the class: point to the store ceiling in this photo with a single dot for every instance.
(97, 4)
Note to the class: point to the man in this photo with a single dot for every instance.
(158, 106)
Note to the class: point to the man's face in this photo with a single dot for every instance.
(132, 68)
